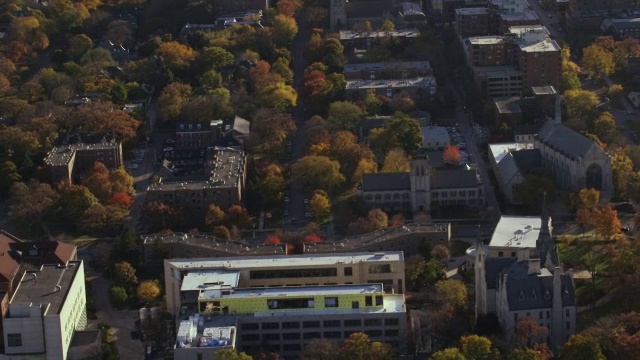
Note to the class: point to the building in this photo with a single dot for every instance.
(417, 190)
(435, 137)
(538, 57)
(508, 110)
(280, 303)
(488, 51)
(232, 131)
(76, 153)
(409, 238)
(622, 28)
(45, 311)
(519, 275)
(224, 186)
(410, 14)
(365, 40)
(498, 81)
(420, 87)
(225, 7)
(525, 134)
(509, 19)
(511, 163)
(472, 22)
(235, 132)
(387, 70)
(574, 161)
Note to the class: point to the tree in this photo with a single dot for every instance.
(237, 216)
(230, 354)
(478, 348)
(212, 105)
(581, 104)
(221, 232)
(119, 32)
(121, 199)
(604, 126)
(372, 102)
(176, 55)
(525, 354)
(282, 67)
(344, 115)
(9, 175)
(607, 222)
(216, 58)
(269, 130)
(118, 296)
(284, 30)
(588, 198)
(440, 253)
(581, 347)
(124, 274)
(288, 7)
(97, 59)
(125, 248)
(320, 349)
(320, 204)
(211, 79)
(272, 239)
(74, 201)
(97, 181)
(597, 60)
(387, 25)
(396, 161)
(358, 346)
(448, 354)
(79, 45)
(29, 203)
(159, 216)
(377, 219)
(318, 172)
(121, 181)
(312, 238)
(363, 26)
(452, 292)
(451, 155)
(529, 332)
(98, 116)
(272, 182)
(148, 291)
(279, 96)
(172, 99)
(214, 216)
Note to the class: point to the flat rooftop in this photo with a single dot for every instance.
(391, 303)
(425, 81)
(499, 151)
(508, 105)
(348, 34)
(486, 40)
(497, 71)
(295, 291)
(516, 232)
(434, 132)
(199, 280)
(61, 155)
(291, 261)
(526, 15)
(472, 11)
(392, 65)
(41, 286)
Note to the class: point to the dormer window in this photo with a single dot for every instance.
(533, 295)
(521, 295)
(546, 294)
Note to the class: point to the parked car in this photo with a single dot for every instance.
(132, 166)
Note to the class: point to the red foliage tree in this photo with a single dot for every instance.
(272, 239)
(311, 238)
(451, 155)
(121, 199)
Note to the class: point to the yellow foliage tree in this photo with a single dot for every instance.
(148, 291)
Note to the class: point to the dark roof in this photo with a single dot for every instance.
(565, 140)
(527, 160)
(236, 124)
(371, 123)
(203, 126)
(508, 105)
(493, 267)
(435, 158)
(86, 337)
(453, 178)
(368, 9)
(543, 90)
(8, 264)
(386, 181)
(536, 292)
(70, 138)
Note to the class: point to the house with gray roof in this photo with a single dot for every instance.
(525, 279)
(417, 190)
(573, 160)
(511, 163)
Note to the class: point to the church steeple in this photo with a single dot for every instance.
(545, 248)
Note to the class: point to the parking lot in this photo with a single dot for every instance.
(458, 140)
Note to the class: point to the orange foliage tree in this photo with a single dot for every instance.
(311, 238)
(121, 199)
(272, 239)
(451, 155)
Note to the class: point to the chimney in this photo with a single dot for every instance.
(533, 266)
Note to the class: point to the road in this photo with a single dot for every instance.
(550, 19)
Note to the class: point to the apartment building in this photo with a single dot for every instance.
(387, 70)
(365, 40)
(494, 19)
(473, 22)
(485, 51)
(498, 81)
(76, 153)
(281, 303)
(539, 58)
(224, 186)
(425, 86)
(45, 311)
(197, 135)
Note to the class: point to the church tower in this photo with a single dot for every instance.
(420, 184)
(480, 281)
(545, 247)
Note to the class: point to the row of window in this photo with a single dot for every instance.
(315, 335)
(317, 324)
(460, 193)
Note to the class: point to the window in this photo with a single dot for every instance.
(372, 322)
(249, 326)
(199, 356)
(290, 325)
(515, 317)
(378, 300)
(500, 254)
(368, 301)
(568, 325)
(348, 271)
(310, 324)
(291, 336)
(311, 335)
(541, 316)
(270, 325)
(373, 333)
(250, 337)
(568, 312)
(548, 314)
(330, 302)
(331, 323)
(355, 305)
(391, 333)
(273, 337)
(391, 322)
(332, 334)
(513, 254)
(291, 347)
(351, 323)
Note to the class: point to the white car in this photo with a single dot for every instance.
(168, 148)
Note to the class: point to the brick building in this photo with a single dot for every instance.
(538, 57)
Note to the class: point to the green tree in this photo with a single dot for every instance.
(604, 126)
(581, 104)
(581, 347)
(118, 296)
(282, 67)
(344, 115)
(124, 274)
(148, 291)
(452, 292)
(230, 354)
(320, 205)
(406, 132)
(211, 79)
(598, 60)
(74, 201)
(279, 96)
(172, 99)
(8, 176)
(125, 247)
(214, 216)
(121, 181)
(284, 30)
(530, 190)
(318, 172)
(387, 25)
(396, 161)
(372, 102)
(97, 59)
(216, 58)
(358, 346)
(79, 45)
(448, 354)
(570, 81)
(478, 348)
(525, 354)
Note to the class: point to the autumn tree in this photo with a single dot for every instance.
(387, 25)
(344, 115)
(148, 291)
(159, 216)
(448, 354)
(349, 152)
(396, 160)
(318, 172)
(581, 347)
(175, 55)
(440, 253)
(98, 116)
(588, 201)
(29, 204)
(279, 96)
(9, 175)
(272, 182)
(604, 127)
(478, 348)
(121, 199)
(237, 216)
(172, 99)
(377, 219)
(320, 349)
(288, 7)
(320, 204)
(272, 239)
(221, 232)
(607, 223)
(358, 346)
(285, 29)
(282, 67)
(452, 293)
(124, 274)
(214, 216)
(581, 105)
(529, 332)
(451, 155)
(597, 60)
(269, 130)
